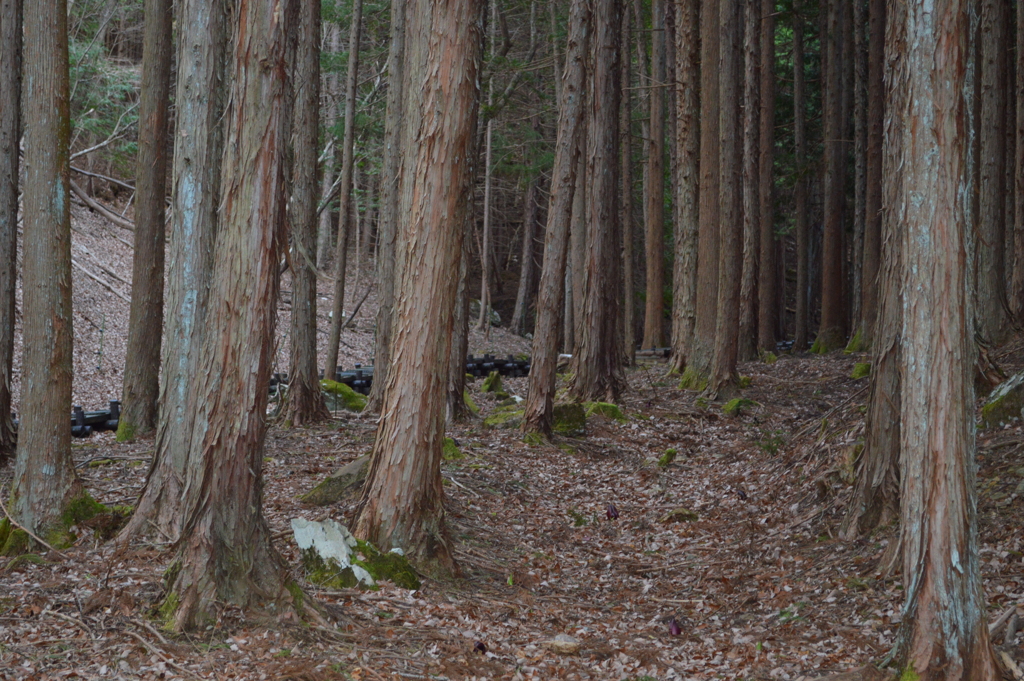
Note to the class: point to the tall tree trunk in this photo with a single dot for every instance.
(45, 482)
(484, 321)
(578, 240)
(875, 499)
(944, 630)
(688, 131)
(541, 391)
(654, 190)
(730, 250)
(146, 316)
(456, 407)
(597, 362)
(225, 554)
(860, 151)
(800, 221)
(10, 139)
(1017, 287)
(832, 329)
(345, 192)
(626, 177)
(701, 355)
(768, 274)
(870, 279)
(991, 217)
(751, 180)
(196, 198)
(387, 226)
(402, 503)
(305, 398)
(325, 227)
(526, 267)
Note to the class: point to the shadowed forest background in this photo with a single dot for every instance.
(513, 339)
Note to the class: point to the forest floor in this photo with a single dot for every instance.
(736, 539)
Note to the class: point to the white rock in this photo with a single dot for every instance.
(331, 541)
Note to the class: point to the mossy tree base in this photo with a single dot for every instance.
(693, 380)
(828, 341)
(569, 419)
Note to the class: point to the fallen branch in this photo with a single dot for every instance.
(100, 281)
(24, 529)
(1001, 621)
(352, 316)
(1010, 665)
(159, 653)
(100, 208)
(111, 180)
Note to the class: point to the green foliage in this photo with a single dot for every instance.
(505, 417)
(735, 406)
(771, 442)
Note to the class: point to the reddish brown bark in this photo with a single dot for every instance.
(699, 359)
(146, 316)
(196, 199)
(871, 292)
(730, 249)
(224, 554)
(684, 298)
(800, 186)
(345, 191)
(402, 503)
(654, 215)
(44, 475)
(1017, 286)
(305, 399)
(387, 227)
(768, 273)
(832, 329)
(597, 363)
(751, 180)
(10, 136)
(626, 177)
(944, 629)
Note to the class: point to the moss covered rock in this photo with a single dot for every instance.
(470, 404)
(667, 458)
(451, 450)
(342, 396)
(332, 557)
(492, 384)
(569, 419)
(1005, 403)
(340, 484)
(605, 409)
(505, 417)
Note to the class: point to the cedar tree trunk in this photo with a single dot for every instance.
(305, 401)
(146, 316)
(402, 503)
(544, 358)
(751, 180)
(224, 554)
(654, 241)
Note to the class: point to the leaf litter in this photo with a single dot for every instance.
(582, 558)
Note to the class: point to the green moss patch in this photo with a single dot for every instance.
(15, 540)
(470, 404)
(125, 430)
(451, 451)
(569, 419)
(693, 380)
(390, 566)
(735, 407)
(857, 343)
(860, 370)
(533, 439)
(339, 484)
(342, 396)
(605, 409)
(1005, 403)
(769, 357)
(666, 459)
(680, 515)
(492, 384)
(744, 382)
(505, 417)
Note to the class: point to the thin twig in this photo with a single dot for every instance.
(22, 527)
(159, 653)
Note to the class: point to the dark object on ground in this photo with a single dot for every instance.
(85, 423)
(612, 512)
